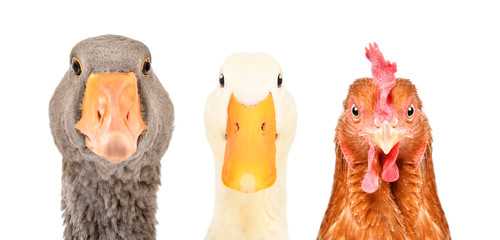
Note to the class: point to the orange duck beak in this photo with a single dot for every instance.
(250, 155)
(111, 115)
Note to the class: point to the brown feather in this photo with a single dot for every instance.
(408, 208)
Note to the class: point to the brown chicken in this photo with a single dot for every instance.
(384, 185)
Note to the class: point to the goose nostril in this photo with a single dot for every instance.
(236, 127)
(99, 116)
(126, 117)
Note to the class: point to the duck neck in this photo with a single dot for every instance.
(109, 207)
(259, 215)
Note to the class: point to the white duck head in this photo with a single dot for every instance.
(250, 121)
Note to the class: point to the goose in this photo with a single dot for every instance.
(250, 122)
(112, 121)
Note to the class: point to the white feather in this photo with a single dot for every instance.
(260, 215)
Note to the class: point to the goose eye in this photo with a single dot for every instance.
(221, 80)
(146, 66)
(355, 111)
(411, 111)
(76, 66)
(280, 80)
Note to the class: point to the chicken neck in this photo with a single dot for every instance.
(405, 209)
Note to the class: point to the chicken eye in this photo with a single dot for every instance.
(146, 66)
(76, 66)
(355, 111)
(411, 111)
(221, 80)
(280, 80)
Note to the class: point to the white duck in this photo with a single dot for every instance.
(250, 122)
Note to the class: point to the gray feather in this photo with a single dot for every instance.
(100, 199)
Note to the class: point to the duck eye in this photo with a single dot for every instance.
(146, 66)
(355, 111)
(76, 66)
(411, 111)
(280, 80)
(221, 80)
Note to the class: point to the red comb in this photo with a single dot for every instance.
(383, 72)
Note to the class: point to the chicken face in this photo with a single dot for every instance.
(409, 109)
(382, 122)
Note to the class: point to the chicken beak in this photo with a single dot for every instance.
(386, 134)
(111, 115)
(250, 154)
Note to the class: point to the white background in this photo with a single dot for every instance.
(449, 50)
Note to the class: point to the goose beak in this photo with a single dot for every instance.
(111, 115)
(250, 155)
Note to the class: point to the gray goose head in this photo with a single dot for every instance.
(110, 111)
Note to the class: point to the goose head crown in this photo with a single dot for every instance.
(110, 109)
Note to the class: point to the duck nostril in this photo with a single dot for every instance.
(263, 127)
(236, 127)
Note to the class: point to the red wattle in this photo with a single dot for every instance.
(390, 171)
(370, 182)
